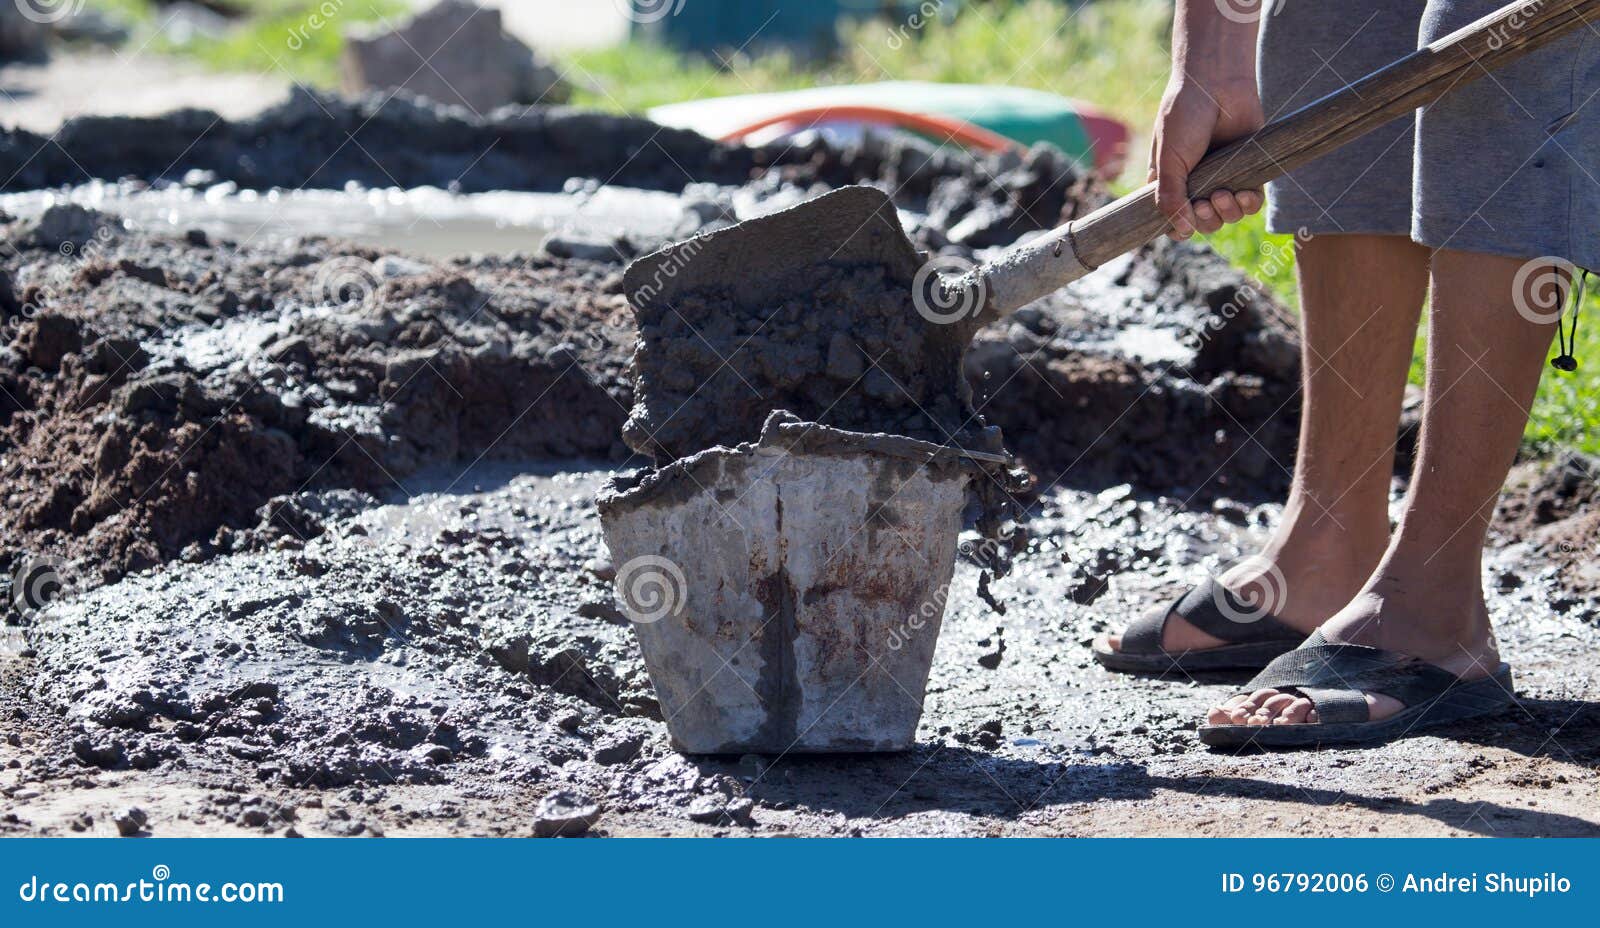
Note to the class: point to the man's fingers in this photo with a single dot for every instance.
(1227, 206)
(1172, 195)
(1223, 207)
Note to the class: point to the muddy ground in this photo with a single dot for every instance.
(443, 664)
(303, 542)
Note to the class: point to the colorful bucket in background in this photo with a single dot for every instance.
(942, 112)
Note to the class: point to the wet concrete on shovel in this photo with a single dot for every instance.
(323, 516)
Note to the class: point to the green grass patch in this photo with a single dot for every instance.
(301, 40)
(1112, 52)
(298, 39)
(1566, 412)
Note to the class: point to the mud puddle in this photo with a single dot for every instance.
(425, 221)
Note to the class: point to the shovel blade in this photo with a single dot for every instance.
(772, 258)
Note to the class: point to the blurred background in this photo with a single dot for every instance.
(1084, 75)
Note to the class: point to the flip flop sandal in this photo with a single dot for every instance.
(1334, 677)
(1254, 637)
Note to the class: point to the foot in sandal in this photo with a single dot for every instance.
(1399, 658)
(1258, 609)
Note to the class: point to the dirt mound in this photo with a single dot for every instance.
(158, 392)
(1554, 506)
(1170, 370)
(316, 140)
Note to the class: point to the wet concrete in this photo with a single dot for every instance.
(440, 664)
(308, 527)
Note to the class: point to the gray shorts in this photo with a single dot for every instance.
(1508, 164)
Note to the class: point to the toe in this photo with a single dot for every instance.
(1228, 712)
(1258, 713)
(1274, 705)
(1294, 713)
(1240, 708)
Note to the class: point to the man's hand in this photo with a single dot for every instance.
(1211, 99)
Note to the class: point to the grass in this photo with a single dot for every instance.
(1113, 52)
(298, 39)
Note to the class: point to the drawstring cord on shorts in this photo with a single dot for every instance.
(1568, 341)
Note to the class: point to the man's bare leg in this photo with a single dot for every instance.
(1426, 597)
(1361, 296)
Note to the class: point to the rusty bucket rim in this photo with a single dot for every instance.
(787, 432)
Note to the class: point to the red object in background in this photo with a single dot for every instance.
(939, 127)
(1110, 137)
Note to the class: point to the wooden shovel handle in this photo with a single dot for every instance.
(1059, 257)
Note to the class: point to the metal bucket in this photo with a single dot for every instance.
(787, 594)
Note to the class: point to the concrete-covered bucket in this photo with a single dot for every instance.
(787, 594)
